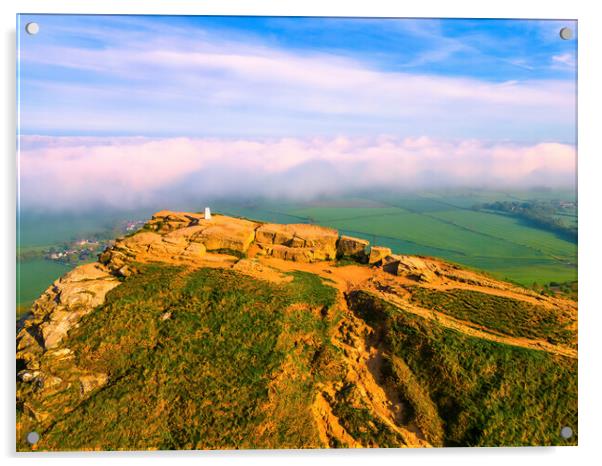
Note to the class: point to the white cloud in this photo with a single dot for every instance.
(69, 173)
(565, 59)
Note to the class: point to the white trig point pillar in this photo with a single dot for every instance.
(207, 213)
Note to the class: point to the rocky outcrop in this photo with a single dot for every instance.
(278, 251)
(62, 305)
(219, 232)
(296, 242)
(226, 233)
(185, 237)
(355, 248)
(44, 364)
(181, 238)
(413, 267)
(377, 254)
(167, 220)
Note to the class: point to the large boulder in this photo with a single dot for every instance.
(226, 233)
(322, 240)
(85, 285)
(348, 246)
(182, 244)
(377, 254)
(274, 233)
(167, 220)
(168, 247)
(305, 242)
(390, 263)
(139, 242)
(417, 268)
(412, 267)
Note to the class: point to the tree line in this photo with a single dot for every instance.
(536, 213)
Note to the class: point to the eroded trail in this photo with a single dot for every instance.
(363, 357)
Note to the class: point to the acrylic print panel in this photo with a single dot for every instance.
(271, 232)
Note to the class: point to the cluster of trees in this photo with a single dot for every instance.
(537, 213)
(568, 289)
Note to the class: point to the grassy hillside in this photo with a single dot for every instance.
(163, 345)
(208, 359)
(212, 359)
(504, 315)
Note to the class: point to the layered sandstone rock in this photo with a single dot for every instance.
(42, 360)
(62, 305)
(413, 267)
(180, 237)
(178, 245)
(348, 246)
(377, 254)
(297, 242)
(226, 233)
(167, 220)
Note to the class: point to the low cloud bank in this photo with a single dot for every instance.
(69, 173)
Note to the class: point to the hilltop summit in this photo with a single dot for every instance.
(233, 333)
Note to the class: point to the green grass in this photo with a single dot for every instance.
(498, 313)
(234, 366)
(338, 214)
(485, 393)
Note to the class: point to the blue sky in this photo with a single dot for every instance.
(130, 111)
(493, 80)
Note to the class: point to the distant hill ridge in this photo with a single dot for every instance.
(355, 355)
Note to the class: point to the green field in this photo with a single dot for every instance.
(33, 277)
(446, 226)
